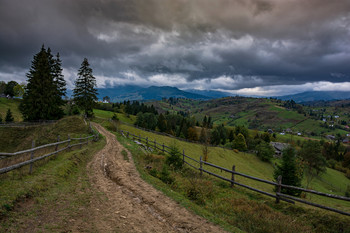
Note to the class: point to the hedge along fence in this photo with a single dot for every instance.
(278, 195)
(33, 159)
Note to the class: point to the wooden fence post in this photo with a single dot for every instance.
(147, 141)
(127, 135)
(81, 140)
(200, 165)
(31, 157)
(163, 147)
(58, 139)
(278, 188)
(183, 156)
(155, 144)
(87, 140)
(68, 146)
(233, 176)
(140, 138)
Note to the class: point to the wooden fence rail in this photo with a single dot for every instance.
(33, 160)
(278, 195)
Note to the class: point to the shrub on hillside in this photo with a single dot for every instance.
(240, 143)
(174, 159)
(9, 118)
(165, 176)
(115, 117)
(265, 151)
(198, 190)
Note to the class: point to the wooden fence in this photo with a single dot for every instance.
(27, 123)
(200, 166)
(32, 160)
(172, 136)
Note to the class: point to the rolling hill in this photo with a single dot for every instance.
(121, 93)
(316, 96)
(256, 113)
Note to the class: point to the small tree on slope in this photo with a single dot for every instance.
(9, 117)
(290, 172)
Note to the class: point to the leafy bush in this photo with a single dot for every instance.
(265, 151)
(164, 176)
(347, 192)
(198, 190)
(115, 117)
(347, 174)
(153, 172)
(332, 163)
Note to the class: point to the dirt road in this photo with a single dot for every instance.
(129, 204)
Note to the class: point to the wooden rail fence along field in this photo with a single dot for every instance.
(81, 141)
(278, 195)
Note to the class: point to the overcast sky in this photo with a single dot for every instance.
(250, 47)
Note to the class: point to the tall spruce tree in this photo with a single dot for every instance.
(85, 92)
(290, 171)
(42, 99)
(58, 76)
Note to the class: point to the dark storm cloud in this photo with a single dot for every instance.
(244, 43)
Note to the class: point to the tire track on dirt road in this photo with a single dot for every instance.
(129, 204)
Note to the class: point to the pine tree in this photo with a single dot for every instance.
(58, 76)
(9, 118)
(289, 171)
(42, 99)
(84, 91)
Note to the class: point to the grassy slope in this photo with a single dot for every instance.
(10, 104)
(56, 192)
(251, 165)
(236, 209)
(331, 182)
(107, 114)
(19, 138)
(245, 110)
(58, 189)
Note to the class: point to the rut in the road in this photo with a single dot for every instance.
(129, 204)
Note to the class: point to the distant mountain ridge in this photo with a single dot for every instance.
(210, 93)
(316, 96)
(130, 92)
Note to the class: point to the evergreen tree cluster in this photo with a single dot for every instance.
(135, 107)
(174, 124)
(43, 95)
(42, 99)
